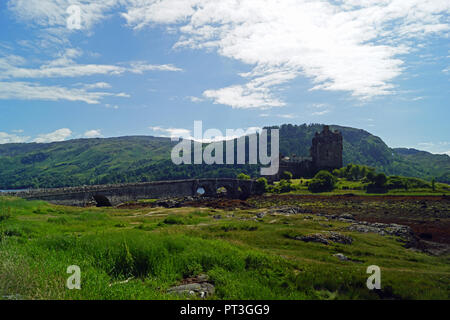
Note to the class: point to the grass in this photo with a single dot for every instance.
(157, 248)
(344, 186)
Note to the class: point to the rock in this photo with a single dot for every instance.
(317, 237)
(403, 232)
(288, 210)
(260, 215)
(326, 238)
(202, 290)
(347, 216)
(340, 256)
(217, 217)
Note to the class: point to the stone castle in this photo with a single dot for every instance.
(326, 154)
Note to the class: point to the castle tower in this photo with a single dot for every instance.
(326, 150)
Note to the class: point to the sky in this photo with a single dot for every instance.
(106, 68)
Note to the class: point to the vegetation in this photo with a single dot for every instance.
(140, 254)
(261, 186)
(360, 180)
(243, 176)
(286, 175)
(141, 159)
(322, 182)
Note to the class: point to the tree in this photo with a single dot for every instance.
(261, 186)
(243, 176)
(433, 184)
(380, 180)
(378, 184)
(322, 182)
(285, 186)
(286, 175)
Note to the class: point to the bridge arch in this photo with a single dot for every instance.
(101, 200)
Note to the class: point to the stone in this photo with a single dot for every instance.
(202, 290)
(340, 256)
(326, 237)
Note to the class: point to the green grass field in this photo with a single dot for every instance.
(344, 186)
(156, 248)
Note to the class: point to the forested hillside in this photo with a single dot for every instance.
(143, 158)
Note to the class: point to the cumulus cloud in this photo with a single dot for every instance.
(176, 133)
(93, 134)
(354, 46)
(12, 138)
(56, 136)
(172, 132)
(349, 45)
(244, 97)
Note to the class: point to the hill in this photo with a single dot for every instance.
(145, 158)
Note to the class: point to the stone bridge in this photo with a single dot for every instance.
(112, 195)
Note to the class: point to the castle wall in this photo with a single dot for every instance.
(326, 154)
(327, 149)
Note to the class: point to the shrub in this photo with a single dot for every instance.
(261, 186)
(286, 175)
(243, 176)
(378, 184)
(395, 182)
(322, 182)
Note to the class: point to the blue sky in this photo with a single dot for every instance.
(148, 67)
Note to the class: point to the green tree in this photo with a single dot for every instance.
(322, 182)
(286, 175)
(261, 186)
(243, 176)
(380, 180)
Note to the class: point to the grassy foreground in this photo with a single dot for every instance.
(155, 248)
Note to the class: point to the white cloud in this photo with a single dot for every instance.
(115, 107)
(244, 97)
(52, 15)
(426, 144)
(351, 45)
(12, 138)
(176, 133)
(93, 134)
(141, 67)
(355, 46)
(33, 91)
(283, 116)
(172, 132)
(98, 85)
(195, 99)
(321, 113)
(56, 136)
(12, 67)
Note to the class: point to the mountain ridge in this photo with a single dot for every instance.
(141, 158)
